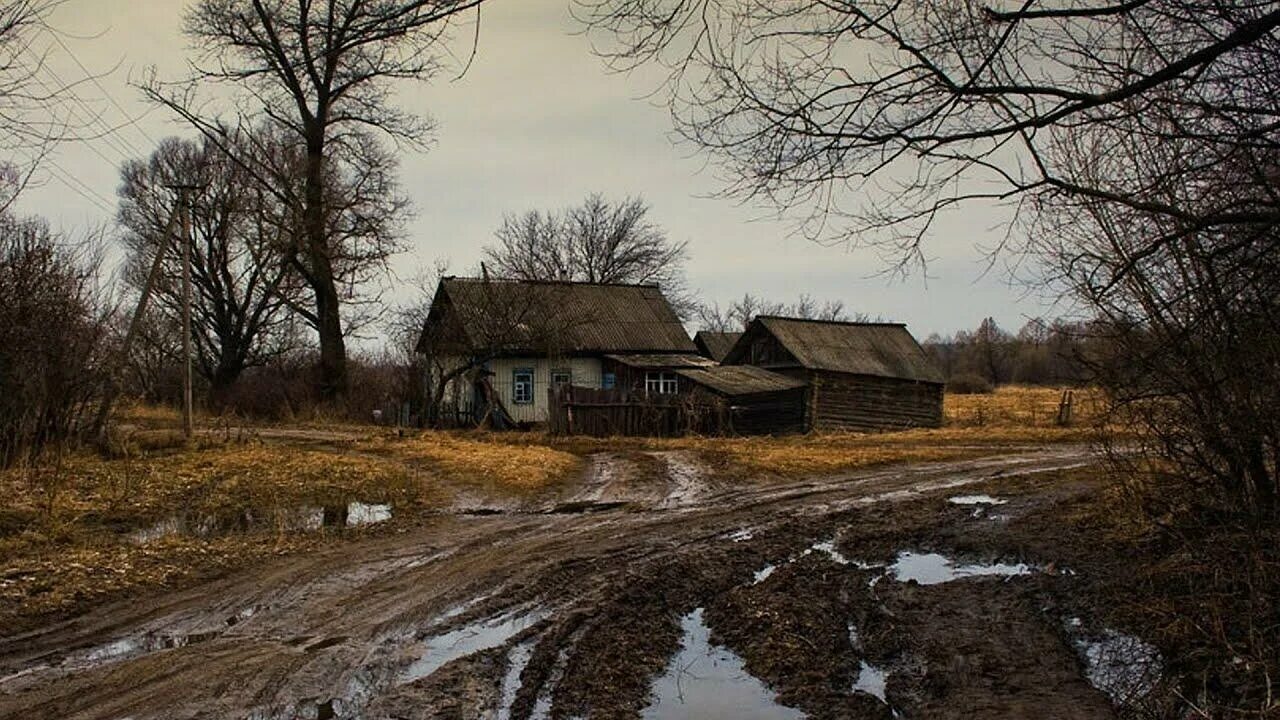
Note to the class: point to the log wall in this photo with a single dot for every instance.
(839, 401)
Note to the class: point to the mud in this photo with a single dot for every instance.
(590, 603)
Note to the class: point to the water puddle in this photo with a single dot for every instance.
(741, 535)
(872, 681)
(975, 500)
(303, 518)
(517, 660)
(763, 574)
(1124, 667)
(934, 569)
(467, 640)
(359, 513)
(829, 548)
(705, 681)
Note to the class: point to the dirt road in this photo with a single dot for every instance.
(647, 591)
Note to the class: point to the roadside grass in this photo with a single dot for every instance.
(161, 512)
(89, 527)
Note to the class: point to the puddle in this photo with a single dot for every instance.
(829, 547)
(763, 574)
(933, 569)
(467, 640)
(704, 681)
(359, 513)
(872, 681)
(303, 518)
(517, 660)
(741, 535)
(685, 478)
(1124, 667)
(975, 500)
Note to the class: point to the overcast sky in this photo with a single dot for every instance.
(536, 122)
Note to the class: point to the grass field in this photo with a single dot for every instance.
(161, 513)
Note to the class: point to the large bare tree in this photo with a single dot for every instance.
(869, 119)
(242, 277)
(598, 241)
(324, 72)
(29, 124)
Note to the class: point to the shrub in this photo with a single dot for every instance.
(969, 384)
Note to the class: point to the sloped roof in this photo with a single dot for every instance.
(715, 345)
(554, 317)
(741, 379)
(879, 349)
(662, 360)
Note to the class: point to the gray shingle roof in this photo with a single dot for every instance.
(556, 317)
(879, 349)
(668, 361)
(741, 379)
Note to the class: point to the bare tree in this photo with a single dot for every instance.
(869, 119)
(597, 241)
(53, 336)
(29, 123)
(241, 275)
(740, 313)
(323, 71)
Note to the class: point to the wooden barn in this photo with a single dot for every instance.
(752, 400)
(859, 376)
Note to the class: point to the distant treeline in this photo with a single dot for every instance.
(1040, 353)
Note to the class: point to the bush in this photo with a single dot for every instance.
(52, 341)
(969, 384)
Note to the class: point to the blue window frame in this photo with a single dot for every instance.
(608, 381)
(522, 386)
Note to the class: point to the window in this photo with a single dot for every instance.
(522, 386)
(660, 383)
(561, 377)
(608, 381)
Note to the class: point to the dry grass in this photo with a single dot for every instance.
(1022, 407)
(68, 533)
(481, 459)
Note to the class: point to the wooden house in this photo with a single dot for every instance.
(496, 346)
(859, 376)
(752, 400)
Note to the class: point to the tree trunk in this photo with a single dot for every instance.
(333, 351)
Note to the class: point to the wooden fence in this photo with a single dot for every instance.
(577, 410)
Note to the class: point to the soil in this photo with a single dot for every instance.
(588, 590)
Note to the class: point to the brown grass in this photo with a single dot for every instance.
(482, 459)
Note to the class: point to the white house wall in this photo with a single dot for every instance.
(585, 371)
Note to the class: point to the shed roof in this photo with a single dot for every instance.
(552, 316)
(879, 349)
(663, 360)
(741, 379)
(715, 345)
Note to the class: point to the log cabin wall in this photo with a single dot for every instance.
(863, 403)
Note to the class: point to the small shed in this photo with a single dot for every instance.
(757, 401)
(860, 376)
(715, 345)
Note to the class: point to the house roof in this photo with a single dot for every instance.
(741, 379)
(549, 317)
(879, 349)
(715, 345)
(666, 361)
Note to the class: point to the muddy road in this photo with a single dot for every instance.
(648, 590)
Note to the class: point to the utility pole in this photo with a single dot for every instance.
(184, 211)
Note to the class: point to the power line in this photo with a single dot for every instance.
(108, 135)
(71, 181)
(133, 122)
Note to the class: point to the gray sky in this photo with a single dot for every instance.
(537, 122)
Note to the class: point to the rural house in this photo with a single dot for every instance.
(715, 345)
(860, 376)
(494, 347)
